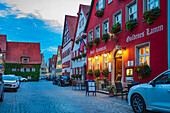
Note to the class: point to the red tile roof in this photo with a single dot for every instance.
(85, 9)
(16, 50)
(3, 43)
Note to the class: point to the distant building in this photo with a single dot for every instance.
(43, 66)
(78, 49)
(59, 61)
(68, 36)
(23, 59)
(53, 66)
(50, 67)
(2, 52)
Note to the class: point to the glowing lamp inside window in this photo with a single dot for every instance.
(96, 57)
(119, 52)
(105, 54)
(89, 58)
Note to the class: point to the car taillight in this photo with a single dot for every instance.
(70, 79)
(61, 79)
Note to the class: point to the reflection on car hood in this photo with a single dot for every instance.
(9, 81)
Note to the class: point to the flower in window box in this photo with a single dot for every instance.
(143, 70)
(76, 58)
(105, 37)
(90, 44)
(116, 28)
(96, 41)
(131, 24)
(151, 15)
(73, 76)
(80, 76)
(105, 72)
(90, 72)
(73, 59)
(77, 41)
(76, 76)
(97, 73)
(99, 13)
(79, 56)
(83, 55)
(83, 36)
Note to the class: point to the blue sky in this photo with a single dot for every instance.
(35, 21)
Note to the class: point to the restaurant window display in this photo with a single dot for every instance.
(90, 63)
(144, 55)
(105, 61)
(97, 62)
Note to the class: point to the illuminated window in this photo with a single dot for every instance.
(97, 62)
(90, 63)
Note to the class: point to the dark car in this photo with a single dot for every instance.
(64, 81)
(1, 88)
(56, 79)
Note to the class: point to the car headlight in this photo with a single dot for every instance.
(14, 83)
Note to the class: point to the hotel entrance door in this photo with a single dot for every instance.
(118, 65)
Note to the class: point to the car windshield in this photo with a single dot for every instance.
(8, 78)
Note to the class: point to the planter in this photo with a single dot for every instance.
(83, 36)
(83, 55)
(90, 44)
(97, 73)
(116, 28)
(131, 24)
(96, 41)
(111, 94)
(99, 13)
(90, 72)
(151, 15)
(105, 37)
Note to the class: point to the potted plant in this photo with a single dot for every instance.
(111, 90)
(102, 84)
(73, 59)
(151, 15)
(116, 28)
(80, 76)
(105, 37)
(99, 13)
(90, 72)
(79, 56)
(143, 70)
(105, 72)
(96, 41)
(76, 58)
(131, 24)
(83, 55)
(90, 44)
(83, 36)
(106, 81)
(97, 73)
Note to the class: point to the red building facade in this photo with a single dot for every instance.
(126, 48)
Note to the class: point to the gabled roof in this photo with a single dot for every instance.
(85, 9)
(71, 22)
(89, 15)
(2, 43)
(17, 50)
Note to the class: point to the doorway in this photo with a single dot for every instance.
(118, 66)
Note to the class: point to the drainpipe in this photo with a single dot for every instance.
(168, 30)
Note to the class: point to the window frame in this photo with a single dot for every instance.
(27, 69)
(110, 1)
(90, 38)
(104, 62)
(90, 64)
(33, 69)
(145, 5)
(128, 7)
(95, 31)
(22, 70)
(114, 17)
(103, 26)
(97, 63)
(137, 47)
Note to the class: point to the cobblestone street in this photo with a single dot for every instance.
(43, 97)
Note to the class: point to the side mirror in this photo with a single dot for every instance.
(152, 83)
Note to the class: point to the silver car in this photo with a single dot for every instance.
(10, 82)
(1, 89)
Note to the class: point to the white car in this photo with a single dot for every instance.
(10, 82)
(152, 96)
(23, 79)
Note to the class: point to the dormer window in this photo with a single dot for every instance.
(25, 59)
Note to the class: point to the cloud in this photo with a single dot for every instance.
(52, 49)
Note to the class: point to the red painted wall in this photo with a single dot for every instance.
(158, 41)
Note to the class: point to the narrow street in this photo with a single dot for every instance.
(43, 97)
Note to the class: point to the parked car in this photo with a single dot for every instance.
(1, 89)
(56, 79)
(22, 79)
(64, 81)
(18, 81)
(10, 82)
(152, 96)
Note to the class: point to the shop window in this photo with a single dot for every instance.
(97, 62)
(109, 1)
(117, 17)
(90, 63)
(105, 26)
(131, 11)
(27, 69)
(100, 4)
(97, 31)
(22, 69)
(150, 4)
(105, 61)
(91, 35)
(33, 69)
(143, 54)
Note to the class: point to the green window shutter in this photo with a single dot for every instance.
(97, 6)
(103, 4)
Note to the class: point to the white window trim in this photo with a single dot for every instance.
(90, 64)
(115, 15)
(97, 63)
(103, 25)
(104, 62)
(98, 26)
(127, 9)
(90, 38)
(33, 69)
(27, 70)
(137, 52)
(110, 1)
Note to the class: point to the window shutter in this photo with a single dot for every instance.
(103, 4)
(97, 6)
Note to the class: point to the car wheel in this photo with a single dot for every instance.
(2, 97)
(138, 104)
